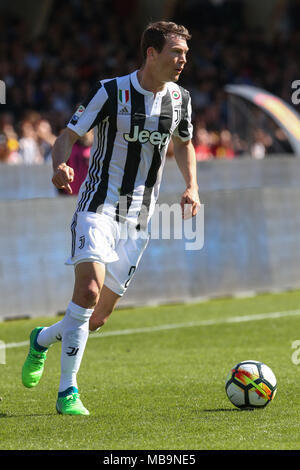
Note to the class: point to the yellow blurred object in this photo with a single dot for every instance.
(12, 145)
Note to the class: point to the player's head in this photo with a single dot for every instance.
(164, 47)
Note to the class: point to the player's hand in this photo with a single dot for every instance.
(190, 203)
(62, 177)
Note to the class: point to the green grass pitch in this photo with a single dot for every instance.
(158, 387)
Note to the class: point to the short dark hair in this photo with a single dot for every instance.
(155, 35)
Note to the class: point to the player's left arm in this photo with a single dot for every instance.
(186, 160)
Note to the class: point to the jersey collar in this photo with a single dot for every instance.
(135, 82)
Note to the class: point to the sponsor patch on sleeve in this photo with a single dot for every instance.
(76, 116)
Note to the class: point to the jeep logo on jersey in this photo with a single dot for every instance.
(143, 136)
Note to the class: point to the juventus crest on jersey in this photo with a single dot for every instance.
(132, 130)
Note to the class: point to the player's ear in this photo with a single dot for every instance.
(151, 53)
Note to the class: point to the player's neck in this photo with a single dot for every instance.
(149, 81)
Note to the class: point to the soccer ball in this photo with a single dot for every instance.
(251, 384)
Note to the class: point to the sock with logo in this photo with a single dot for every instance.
(74, 337)
(50, 335)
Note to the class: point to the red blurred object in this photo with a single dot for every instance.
(79, 161)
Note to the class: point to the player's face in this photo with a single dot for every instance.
(172, 59)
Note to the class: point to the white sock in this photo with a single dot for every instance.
(74, 337)
(50, 334)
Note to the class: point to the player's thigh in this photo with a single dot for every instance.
(89, 279)
(93, 238)
(119, 274)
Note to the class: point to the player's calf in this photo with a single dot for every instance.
(96, 323)
(104, 308)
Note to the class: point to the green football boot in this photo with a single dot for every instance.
(70, 403)
(33, 367)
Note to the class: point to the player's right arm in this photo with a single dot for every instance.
(63, 174)
(87, 116)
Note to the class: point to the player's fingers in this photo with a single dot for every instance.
(67, 173)
(187, 205)
(183, 204)
(56, 183)
(187, 213)
(68, 188)
(195, 208)
(60, 180)
(71, 175)
(184, 201)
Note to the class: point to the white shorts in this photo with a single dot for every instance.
(99, 238)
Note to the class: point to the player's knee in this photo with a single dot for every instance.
(89, 294)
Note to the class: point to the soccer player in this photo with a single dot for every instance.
(133, 117)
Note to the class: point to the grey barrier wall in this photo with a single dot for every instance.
(251, 241)
(25, 182)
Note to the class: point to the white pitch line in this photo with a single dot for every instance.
(173, 326)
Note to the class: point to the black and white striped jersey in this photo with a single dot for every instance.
(132, 129)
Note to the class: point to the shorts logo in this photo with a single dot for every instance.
(82, 242)
(143, 136)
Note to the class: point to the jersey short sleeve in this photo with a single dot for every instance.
(184, 130)
(90, 112)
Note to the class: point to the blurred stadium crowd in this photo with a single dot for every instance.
(47, 76)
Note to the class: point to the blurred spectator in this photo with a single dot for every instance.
(37, 137)
(45, 138)
(258, 149)
(10, 157)
(214, 139)
(29, 149)
(269, 144)
(7, 128)
(202, 144)
(239, 145)
(225, 147)
(263, 144)
(283, 142)
(53, 73)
